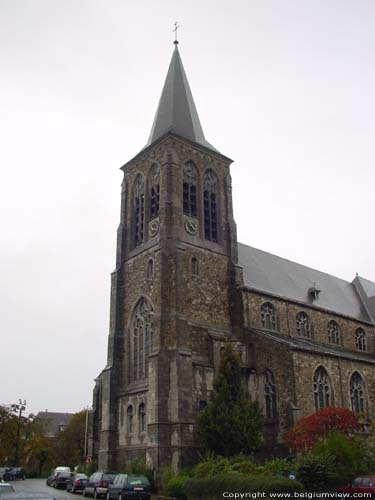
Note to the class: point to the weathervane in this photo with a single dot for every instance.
(176, 26)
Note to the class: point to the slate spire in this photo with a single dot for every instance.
(176, 111)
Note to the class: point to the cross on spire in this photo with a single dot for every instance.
(176, 26)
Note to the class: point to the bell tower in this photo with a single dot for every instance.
(173, 290)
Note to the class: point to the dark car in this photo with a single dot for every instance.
(18, 473)
(129, 487)
(5, 474)
(363, 484)
(97, 485)
(61, 479)
(49, 480)
(77, 483)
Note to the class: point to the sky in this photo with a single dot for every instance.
(284, 88)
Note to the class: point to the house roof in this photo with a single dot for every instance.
(288, 280)
(176, 111)
(53, 421)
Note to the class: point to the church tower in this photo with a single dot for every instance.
(172, 293)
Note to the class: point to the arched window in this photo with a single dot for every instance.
(268, 316)
(189, 189)
(322, 389)
(270, 395)
(194, 266)
(210, 201)
(140, 340)
(154, 190)
(303, 325)
(334, 334)
(138, 210)
(150, 269)
(360, 340)
(357, 393)
(142, 417)
(129, 419)
(202, 405)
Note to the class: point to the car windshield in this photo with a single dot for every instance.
(64, 474)
(138, 481)
(108, 477)
(81, 476)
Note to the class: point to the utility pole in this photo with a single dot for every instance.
(20, 407)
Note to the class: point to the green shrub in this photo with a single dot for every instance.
(278, 466)
(141, 468)
(167, 473)
(174, 487)
(236, 482)
(243, 463)
(211, 466)
(317, 470)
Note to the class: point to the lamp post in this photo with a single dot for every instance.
(20, 407)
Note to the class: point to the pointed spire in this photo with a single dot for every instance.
(176, 112)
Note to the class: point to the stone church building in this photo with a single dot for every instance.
(183, 285)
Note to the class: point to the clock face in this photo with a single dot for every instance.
(153, 228)
(191, 227)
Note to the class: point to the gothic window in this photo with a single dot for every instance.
(150, 269)
(154, 191)
(357, 393)
(202, 405)
(322, 389)
(138, 212)
(270, 395)
(129, 416)
(140, 340)
(303, 324)
(210, 202)
(142, 417)
(194, 265)
(268, 316)
(360, 340)
(334, 334)
(189, 189)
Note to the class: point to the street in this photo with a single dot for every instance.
(39, 485)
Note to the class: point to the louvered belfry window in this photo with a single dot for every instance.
(210, 205)
(138, 210)
(189, 188)
(154, 191)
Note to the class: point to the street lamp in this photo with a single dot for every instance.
(20, 407)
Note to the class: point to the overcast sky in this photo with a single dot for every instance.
(285, 88)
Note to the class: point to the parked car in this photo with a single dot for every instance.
(5, 474)
(97, 485)
(61, 479)
(49, 480)
(129, 487)
(363, 484)
(77, 483)
(6, 488)
(18, 473)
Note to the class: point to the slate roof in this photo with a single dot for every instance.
(300, 344)
(286, 279)
(176, 112)
(52, 422)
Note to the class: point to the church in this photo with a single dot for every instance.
(183, 286)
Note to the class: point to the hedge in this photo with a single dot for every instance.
(215, 486)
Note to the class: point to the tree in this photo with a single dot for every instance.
(70, 446)
(231, 423)
(40, 454)
(309, 430)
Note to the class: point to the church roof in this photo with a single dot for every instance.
(176, 111)
(286, 279)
